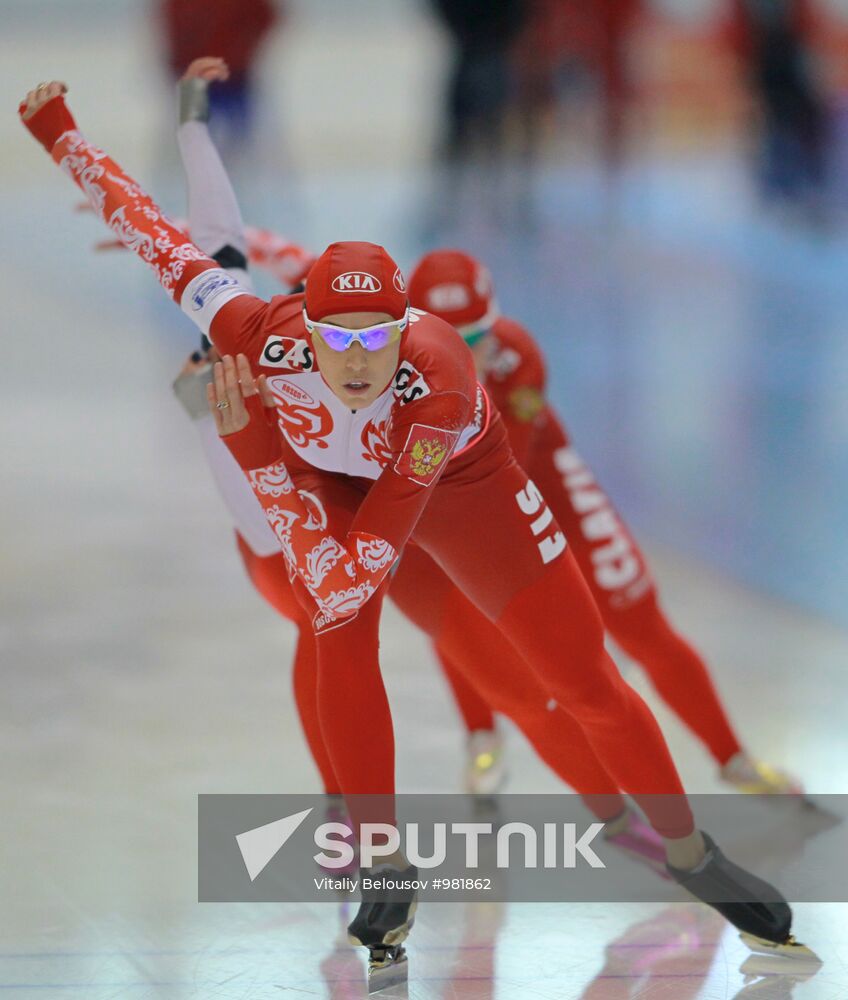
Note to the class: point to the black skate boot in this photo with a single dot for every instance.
(755, 908)
(383, 921)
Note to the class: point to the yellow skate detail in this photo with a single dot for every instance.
(755, 777)
(485, 770)
(790, 948)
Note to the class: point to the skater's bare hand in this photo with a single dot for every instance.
(232, 385)
(208, 68)
(39, 96)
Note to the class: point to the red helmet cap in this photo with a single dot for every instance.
(453, 286)
(355, 277)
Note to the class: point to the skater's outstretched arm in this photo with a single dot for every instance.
(214, 216)
(215, 219)
(142, 227)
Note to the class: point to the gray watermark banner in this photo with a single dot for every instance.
(506, 848)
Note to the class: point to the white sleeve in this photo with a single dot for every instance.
(235, 489)
(214, 217)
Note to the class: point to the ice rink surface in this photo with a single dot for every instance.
(699, 354)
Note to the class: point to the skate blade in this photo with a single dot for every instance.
(791, 949)
(387, 971)
(797, 969)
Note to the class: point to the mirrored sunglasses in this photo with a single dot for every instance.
(372, 338)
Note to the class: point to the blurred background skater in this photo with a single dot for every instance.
(479, 91)
(571, 49)
(773, 40)
(614, 23)
(233, 30)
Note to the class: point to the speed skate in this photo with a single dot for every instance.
(388, 967)
(383, 922)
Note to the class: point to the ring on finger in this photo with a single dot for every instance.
(222, 405)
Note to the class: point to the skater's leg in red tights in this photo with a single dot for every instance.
(618, 576)
(352, 708)
(270, 577)
(677, 672)
(617, 722)
(305, 684)
(476, 713)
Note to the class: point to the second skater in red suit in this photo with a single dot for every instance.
(456, 287)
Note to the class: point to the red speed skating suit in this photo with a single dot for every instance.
(606, 553)
(428, 458)
(216, 227)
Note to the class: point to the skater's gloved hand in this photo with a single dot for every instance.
(194, 87)
(245, 413)
(208, 68)
(45, 113)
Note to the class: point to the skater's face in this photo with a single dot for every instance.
(357, 376)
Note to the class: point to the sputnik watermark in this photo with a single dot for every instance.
(509, 848)
(561, 845)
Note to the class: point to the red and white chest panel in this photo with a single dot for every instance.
(325, 433)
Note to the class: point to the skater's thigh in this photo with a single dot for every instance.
(476, 648)
(493, 536)
(420, 588)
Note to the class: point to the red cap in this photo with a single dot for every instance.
(453, 286)
(355, 277)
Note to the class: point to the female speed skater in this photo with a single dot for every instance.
(351, 353)
(215, 225)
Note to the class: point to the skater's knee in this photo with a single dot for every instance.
(640, 628)
(596, 692)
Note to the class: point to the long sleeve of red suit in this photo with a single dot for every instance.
(129, 212)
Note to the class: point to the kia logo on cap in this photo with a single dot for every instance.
(356, 281)
(446, 298)
(398, 281)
